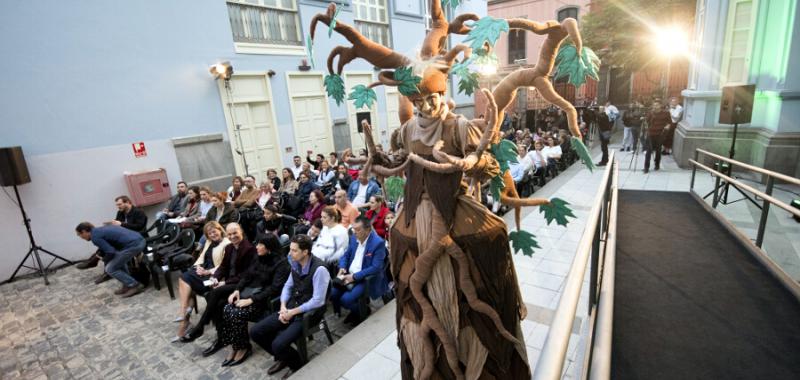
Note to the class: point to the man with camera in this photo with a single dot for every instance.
(658, 122)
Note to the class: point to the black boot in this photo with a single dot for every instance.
(192, 334)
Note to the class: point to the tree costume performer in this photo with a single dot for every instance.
(458, 301)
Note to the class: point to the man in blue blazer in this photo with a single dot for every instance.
(364, 257)
(360, 191)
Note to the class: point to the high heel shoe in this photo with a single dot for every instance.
(185, 316)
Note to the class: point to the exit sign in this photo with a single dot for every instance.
(139, 149)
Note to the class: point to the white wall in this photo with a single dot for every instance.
(82, 186)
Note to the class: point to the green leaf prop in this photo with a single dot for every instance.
(334, 86)
(575, 68)
(363, 96)
(504, 151)
(468, 81)
(394, 188)
(408, 81)
(583, 152)
(453, 4)
(310, 50)
(557, 210)
(483, 57)
(497, 185)
(486, 30)
(333, 22)
(523, 241)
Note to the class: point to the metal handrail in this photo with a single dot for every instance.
(776, 175)
(551, 360)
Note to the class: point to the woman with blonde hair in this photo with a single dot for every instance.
(192, 281)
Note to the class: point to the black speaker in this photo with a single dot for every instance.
(736, 96)
(13, 170)
(360, 116)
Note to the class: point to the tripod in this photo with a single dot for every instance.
(638, 145)
(34, 250)
(723, 198)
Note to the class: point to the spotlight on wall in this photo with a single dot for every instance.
(304, 65)
(222, 70)
(271, 73)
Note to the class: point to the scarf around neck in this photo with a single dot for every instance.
(429, 130)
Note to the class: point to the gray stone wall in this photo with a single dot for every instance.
(205, 160)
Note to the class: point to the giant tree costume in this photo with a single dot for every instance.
(458, 300)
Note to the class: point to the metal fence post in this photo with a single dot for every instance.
(694, 169)
(716, 186)
(762, 224)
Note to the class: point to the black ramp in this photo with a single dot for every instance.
(691, 302)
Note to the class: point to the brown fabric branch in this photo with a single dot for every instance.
(435, 40)
(443, 168)
(374, 53)
(457, 25)
(451, 55)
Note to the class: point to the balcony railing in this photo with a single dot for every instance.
(263, 25)
(375, 31)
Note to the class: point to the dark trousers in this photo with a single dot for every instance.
(654, 146)
(234, 325)
(347, 298)
(605, 138)
(276, 338)
(216, 299)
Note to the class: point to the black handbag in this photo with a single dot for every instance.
(249, 292)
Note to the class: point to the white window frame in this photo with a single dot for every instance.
(729, 29)
(366, 18)
(273, 49)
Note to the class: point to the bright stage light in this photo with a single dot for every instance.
(670, 41)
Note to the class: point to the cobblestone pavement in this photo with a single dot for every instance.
(76, 329)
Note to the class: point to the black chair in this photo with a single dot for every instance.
(158, 226)
(166, 237)
(174, 257)
(312, 324)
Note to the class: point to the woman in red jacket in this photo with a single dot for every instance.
(377, 215)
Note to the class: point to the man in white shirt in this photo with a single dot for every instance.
(612, 112)
(538, 161)
(552, 153)
(298, 167)
(675, 114)
(523, 164)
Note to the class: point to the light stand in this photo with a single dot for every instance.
(236, 126)
(727, 185)
(34, 250)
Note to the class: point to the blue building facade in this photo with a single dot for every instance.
(86, 79)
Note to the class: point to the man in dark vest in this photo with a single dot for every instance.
(304, 292)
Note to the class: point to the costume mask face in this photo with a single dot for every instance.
(429, 105)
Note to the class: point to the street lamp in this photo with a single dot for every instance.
(669, 42)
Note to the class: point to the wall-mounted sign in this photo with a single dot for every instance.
(139, 150)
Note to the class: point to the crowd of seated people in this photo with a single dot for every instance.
(312, 235)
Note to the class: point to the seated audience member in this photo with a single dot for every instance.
(304, 292)
(539, 162)
(360, 191)
(315, 230)
(176, 204)
(128, 216)
(249, 194)
(289, 185)
(316, 161)
(326, 174)
(276, 223)
(297, 166)
(235, 190)
(249, 212)
(364, 257)
(333, 160)
(264, 195)
(342, 179)
(191, 281)
(239, 256)
(272, 176)
(311, 172)
(306, 188)
(191, 210)
(348, 211)
(205, 204)
(552, 153)
(376, 213)
(252, 297)
(117, 246)
(522, 166)
(316, 202)
(221, 212)
(332, 240)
